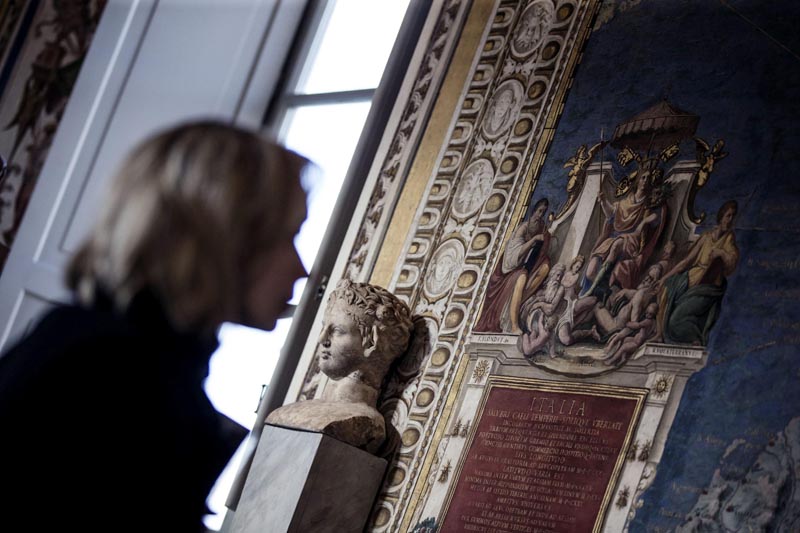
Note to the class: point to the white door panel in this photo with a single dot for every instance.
(151, 64)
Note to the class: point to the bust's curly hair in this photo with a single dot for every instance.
(372, 305)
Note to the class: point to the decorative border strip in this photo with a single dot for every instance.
(405, 140)
(494, 150)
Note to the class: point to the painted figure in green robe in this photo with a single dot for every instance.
(691, 293)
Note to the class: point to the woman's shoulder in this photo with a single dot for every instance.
(76, 322)
(73, 331)
(66, 351)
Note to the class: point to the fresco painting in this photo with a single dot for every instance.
(619, 261)
(666, 212)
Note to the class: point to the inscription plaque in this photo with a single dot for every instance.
(544, 457)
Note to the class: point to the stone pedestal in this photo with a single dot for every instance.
(307, 482)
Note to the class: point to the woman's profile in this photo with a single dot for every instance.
(105, 422)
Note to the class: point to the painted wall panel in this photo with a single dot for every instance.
(696, 103)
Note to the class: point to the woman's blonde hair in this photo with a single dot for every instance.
(187, 211)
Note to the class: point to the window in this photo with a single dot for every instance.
(320, 114)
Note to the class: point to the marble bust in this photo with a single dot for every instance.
(365, 328)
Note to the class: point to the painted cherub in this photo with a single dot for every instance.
(540, 337)
(578, 309)
(572, 276)
(707, 157)
(578, 164)
(626, 341)
(632, 310)
(541, 314)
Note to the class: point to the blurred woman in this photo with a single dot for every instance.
(105, 422)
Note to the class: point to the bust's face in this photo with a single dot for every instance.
(341, 350)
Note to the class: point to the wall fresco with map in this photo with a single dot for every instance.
(607, 208)
(696, 102)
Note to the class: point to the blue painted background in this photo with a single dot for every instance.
(746, 88)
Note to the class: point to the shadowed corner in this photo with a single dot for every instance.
(402, 373)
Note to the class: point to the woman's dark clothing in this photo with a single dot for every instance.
(104, 424)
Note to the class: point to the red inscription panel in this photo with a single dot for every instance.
(540, 461)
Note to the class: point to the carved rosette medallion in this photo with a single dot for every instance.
(533, 26)
(474, 188)
(503, 109)
(444, 269)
